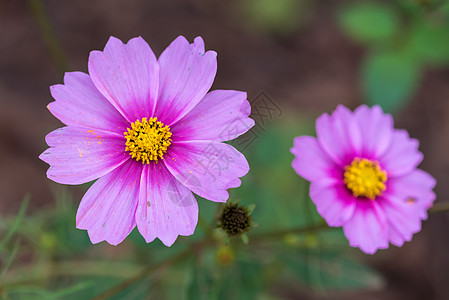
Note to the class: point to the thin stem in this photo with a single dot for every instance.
(48, 34)
(440, 207)
(283, 232)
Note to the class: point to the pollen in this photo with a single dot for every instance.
(147, 140)
(365, 178)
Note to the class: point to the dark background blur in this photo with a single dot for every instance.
(303, 61)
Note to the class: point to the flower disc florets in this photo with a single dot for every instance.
(147, 140)
(365, 178)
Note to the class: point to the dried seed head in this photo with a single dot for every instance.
(234, 220)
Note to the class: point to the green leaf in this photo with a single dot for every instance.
(430, 42)
(389, 79)
(369, 22)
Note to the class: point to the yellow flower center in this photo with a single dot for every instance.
(147, 140)
(365, 178)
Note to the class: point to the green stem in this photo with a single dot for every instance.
(283, 232)
(48, 34)
(440, 207)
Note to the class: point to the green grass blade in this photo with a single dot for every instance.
(16, 222)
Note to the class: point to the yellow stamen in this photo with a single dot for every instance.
(365, 178)
(147, 140)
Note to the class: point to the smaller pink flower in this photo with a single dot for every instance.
(364, 178)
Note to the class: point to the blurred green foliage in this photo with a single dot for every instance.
(43, 255)
(369, 22)
(278, 17)
(389, 79)
(402, 37)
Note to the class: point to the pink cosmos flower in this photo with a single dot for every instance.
(363, 177)
(152, 134)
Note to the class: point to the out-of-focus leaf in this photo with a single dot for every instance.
(389, 79)
(61, 236)
(194, 290)
(200, 283)
(423, 5)
(445, 9)
(244, 280)
(252, 281)
(9, 259)
(34, 292)
(430, 42)
(331, 270)
(369, 21)
(280, 16)
(99, 285)
(28, 292)
(211, 278)
(16, 223)
(60, 294)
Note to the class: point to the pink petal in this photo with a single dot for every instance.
(339, 135)
(235, 183)
(311, 162)
(333, 202)
(377, 130)
(403, 219)
(220, 116)
(367, 229)
(128, 76)
(187, 73)
(166, 208)
(403, 156)
(78, 155)
(415, 189)
(79, 103)
(206, 168)
(107, 210)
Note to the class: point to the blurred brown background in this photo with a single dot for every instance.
(307, 70)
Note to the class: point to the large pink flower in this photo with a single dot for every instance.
(363, 177)
(148, 129)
